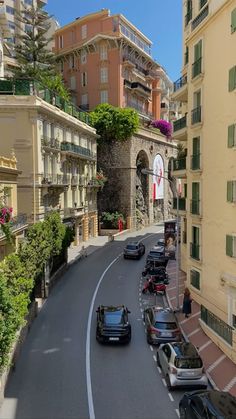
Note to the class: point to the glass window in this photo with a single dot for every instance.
(84, 99)
(103, 52)
(83, 57)
(104, 96)
(72, 61)
(84, 31)
(60, 41)
(113, 318)
(10, 10)
(84, 80)
(188, 363)
(73, 82)
(132, 247)
(165, 326)
(104, 75)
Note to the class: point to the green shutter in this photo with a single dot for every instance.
(185, 190)
(232, 79)
(195, 190)
(233, 21)
(229, 245)
(230, 191)
(196, 146)
(231, 133)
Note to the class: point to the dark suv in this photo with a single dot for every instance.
(113, 324)
(161, 325)
(134, 250)
(208, 404)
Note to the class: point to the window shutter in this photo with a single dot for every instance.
(232, 79)
(231, 133)
(233, 21)
(196, 146)
(230, 191)
(229, 246)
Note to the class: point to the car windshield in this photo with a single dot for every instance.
(154, 253)
(165, 326)
(131, 247)
(188, 363)
(113, 318)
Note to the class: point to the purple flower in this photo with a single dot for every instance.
(165, 127)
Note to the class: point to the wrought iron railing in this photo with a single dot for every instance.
(195, 206)
(180, 123)
(224, 330)
(182, 204)
(200, 17)
(50, 143)
(74, 148)
(16, 223)
(195, 161)
(179, 164)
(196, 115)
(197, 67)
(182, 81)
(55, 179)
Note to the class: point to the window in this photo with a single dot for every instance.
(104, 96)
(233, 21)
(231, 191)
(84, 79)
(197, 65)
(232, 135)
(194, 246)
(195, 204)
(11, 25)
(232, 79)
(234, 321)
(195, 160)
(186, 54)
(195, 279)
(29, 2)
(83, 57)
(73, 83)
(104, 75)
(72, 61)
(10, 10)
(60, 40)
(28, 28)
(84, 31)
(84, 99)
(231, 246)
(103, 52)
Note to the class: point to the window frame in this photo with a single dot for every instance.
(232, 79)
(233, 21)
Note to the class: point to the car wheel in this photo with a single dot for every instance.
(168, 383)
(149, 340)
(125, 257)
(182, 413)
(158, 361)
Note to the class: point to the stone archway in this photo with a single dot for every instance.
(141, 196)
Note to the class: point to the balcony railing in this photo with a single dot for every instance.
(77, 149)
(18, 222)
(127, 83)
(197, 68)
(133, 61)
(195, 206)
(219, 326)
(75, 180)
(27, 87)
(138, 85)
(180, 82)
(182, 204)
(139, 108)
(202, 3)
(202, 15)
(195, 161)
(55, 179)
(196, 115)
(50, 143)
(195, 251)
(179, 164)
(180, 123)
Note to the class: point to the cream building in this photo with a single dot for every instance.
(56, 152)
(207, 130)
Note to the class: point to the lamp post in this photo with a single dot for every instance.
(150, 172)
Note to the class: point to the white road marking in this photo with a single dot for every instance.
(155, 358)
(151, 347)
(217, 362)
(159, 369)
(171, 397)
(143, 323)
(230, 384)
(193, 315)
(177, 412)
(164, 382)
(209, 342)
(194, 331)
(141, 309)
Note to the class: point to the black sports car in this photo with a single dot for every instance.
(113, 324)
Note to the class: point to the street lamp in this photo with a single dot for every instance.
(150, 172)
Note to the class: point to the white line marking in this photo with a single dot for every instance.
(193, 315)
(164, 382)
(143, 323)
(141, 309)
(205, 345)
(151, 347)
(194, 331)
(174, 288)
(177, 412)
(173, 298)
(171, 397)
(155, 358)
(217, 362)
(159, 369)
(88, 369)
(230, 384)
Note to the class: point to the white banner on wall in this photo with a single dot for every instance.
(158, 181)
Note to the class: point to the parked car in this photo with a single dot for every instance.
(157, 253)
(181, 365)
(208, 404)
(113, 324)
(161, 325)
(134, 250)
(160, 243)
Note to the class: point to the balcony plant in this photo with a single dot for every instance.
(164, 127)
(101, 179)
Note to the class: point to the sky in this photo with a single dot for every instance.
(159, 20)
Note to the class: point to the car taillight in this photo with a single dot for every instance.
(153, 330)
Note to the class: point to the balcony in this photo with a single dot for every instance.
(127, 83)
(196, 115)
(200, 17)
(202, 3)
(195, 162)
(195, 207)
(182, 204)
(180, 92)
(76, 211)
(19, 222)
(84, 107)
(179, 167)
(195, 251)
(180, 128)
(132, 62)
(141, 88)
(26, 87)
(139, 108)
(74, 149)
(74, 180)
(54, 180)
(93, 183)
(51, 143)
(197, 68)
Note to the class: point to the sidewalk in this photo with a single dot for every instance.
(220, 370)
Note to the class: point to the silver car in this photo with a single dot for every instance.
(181, 365)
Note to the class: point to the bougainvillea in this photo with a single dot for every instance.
(165, 127)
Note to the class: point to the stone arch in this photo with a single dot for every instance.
(142, 192)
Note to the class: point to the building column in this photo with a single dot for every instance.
(95, 225)
(85, 228)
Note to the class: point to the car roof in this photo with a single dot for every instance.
(223, 402)
(185, 349)
(112, 309)
(164, 314)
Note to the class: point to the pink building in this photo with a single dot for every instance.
(105, 59)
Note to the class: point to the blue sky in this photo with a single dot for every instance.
(159, 20)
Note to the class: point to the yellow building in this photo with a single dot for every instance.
(207, 131)
(8, 198)
(56, 152)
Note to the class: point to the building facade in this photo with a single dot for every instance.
(206, 166)
(106, 59)
(56, 152)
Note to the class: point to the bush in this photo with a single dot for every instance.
(110, 220)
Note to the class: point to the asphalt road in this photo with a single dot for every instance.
(63, 373)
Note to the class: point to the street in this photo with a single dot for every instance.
(63, 372)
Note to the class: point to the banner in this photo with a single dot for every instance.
(158, 181)
(170, 237)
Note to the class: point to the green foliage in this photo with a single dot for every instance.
(56, 231)
(114, 124)
(56, 84)
(110, 219)
(68, 237)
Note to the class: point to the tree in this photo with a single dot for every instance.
(57, 232)
(114, 124)
(56, 84)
